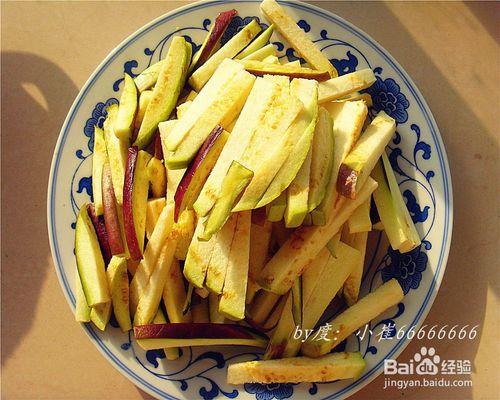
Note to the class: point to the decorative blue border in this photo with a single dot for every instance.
(368, 376)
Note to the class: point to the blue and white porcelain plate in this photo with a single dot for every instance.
(416, 153)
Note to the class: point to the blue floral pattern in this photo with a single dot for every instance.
(128, 68)
(271, 391)
(387, 96)
(407, 268)
(85, 184)
(97, 119)
(345, 65)
(304, 25)
(291, 55)
(154, 355)
(236, 25)
(417, 214)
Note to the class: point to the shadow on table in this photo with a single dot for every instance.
(36, 95)
(488, 14)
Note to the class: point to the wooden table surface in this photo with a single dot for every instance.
(48, 51)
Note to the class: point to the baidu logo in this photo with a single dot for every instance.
(428, 361)
(425, 362)
(425, 366)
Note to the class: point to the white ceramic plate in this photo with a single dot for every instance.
(416, 152)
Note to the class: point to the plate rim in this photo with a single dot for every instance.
(374, 45)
